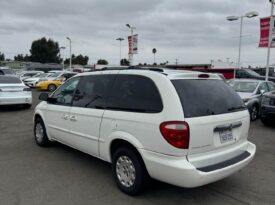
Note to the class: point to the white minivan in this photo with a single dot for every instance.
(187, 129)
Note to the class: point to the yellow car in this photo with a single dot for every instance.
(52, 84)
(49, 85)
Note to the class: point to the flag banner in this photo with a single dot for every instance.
(133, 39)
(264, 26)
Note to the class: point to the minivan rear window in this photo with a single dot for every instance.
(207, 97)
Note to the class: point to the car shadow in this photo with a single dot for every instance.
(154, 189)
(12, 108)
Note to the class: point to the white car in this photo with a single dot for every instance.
(32, 81)
(14, 92)
(28, 74)
(187, 129)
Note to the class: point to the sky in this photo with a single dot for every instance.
(190, 31)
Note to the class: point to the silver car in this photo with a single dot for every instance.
(14, 92)
(251, 92)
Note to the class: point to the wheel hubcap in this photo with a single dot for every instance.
(125, 171)
(254, 113)
(51, 88)
(39, 132)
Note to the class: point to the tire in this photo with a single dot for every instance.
(254, 113)
(40, 134)
(266, 121)
(127, 161)
(51, 87)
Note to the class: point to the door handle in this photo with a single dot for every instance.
(73, 118)
(65, 117)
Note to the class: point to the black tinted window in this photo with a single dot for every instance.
(9, 79)
(207, 97)
(135, 94)
(93, 90)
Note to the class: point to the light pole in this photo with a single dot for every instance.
(234, 18)
(120, 39)
(154, 51)
(60, 49)
(131, 53)
(70, 53)
(269, 40)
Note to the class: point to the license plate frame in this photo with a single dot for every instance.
(226, 135)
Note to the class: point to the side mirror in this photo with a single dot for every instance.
(44, 97)
(262, 92)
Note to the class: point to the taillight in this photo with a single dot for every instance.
(176, 133)
(27, 89)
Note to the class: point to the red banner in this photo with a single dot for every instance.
(265, 25)
(133, 38)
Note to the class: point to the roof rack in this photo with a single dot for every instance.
(132, 68)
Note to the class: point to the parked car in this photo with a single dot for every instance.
(186, 129)
(28, 74)
(14, 92)
(51, 84)
(268, 108)
(32, 81)
(6, 71)
(250, 74)
(251, 92)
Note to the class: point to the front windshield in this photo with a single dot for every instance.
(246, 87)
(8, 71)
(40, 75)
(252, 72)
(54, 75)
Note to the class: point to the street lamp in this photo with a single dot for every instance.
(269, 40)
(62, 48)
(70, 53)
(131, 53)
(120, 39)
(235, 18)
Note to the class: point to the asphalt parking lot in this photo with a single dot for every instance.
(60, 175)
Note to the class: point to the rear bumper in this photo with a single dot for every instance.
(180, 172)
(16, 100)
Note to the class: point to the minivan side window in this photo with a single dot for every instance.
(134, 93)
(64, 95)
(93, 90)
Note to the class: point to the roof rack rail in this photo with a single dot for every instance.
(132, 68)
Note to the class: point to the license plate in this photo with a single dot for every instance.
(226, 135)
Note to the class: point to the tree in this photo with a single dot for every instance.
(78, 60)
(2, 56)
(102, 62)
(45, 51)
(22, 58)
(125, 62)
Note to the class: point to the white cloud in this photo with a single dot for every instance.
(192, 31)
